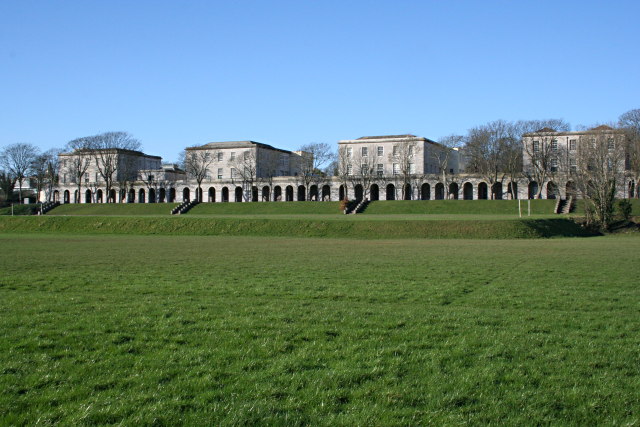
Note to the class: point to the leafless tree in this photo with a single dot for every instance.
(315, 157)
(106, 152)
(403, 157)
(245, 166)
(17, 160)
(7, 184)
(630, 123)
(196, 164)
(44, 171)
(344, 168)
(363, 171)
(78, 162)
(600, 171)
(486, 148)
(442, 157)
(126, 176)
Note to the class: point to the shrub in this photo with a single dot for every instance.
(624, 209)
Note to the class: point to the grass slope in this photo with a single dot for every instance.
(125, 209)
(269, 208)
(166, 330)
(343, 227)
(454, 207)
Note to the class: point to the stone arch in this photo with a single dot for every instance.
(131, 196)
(212, 195)
(439, 191)
(141, 196)
(288, 193)
(199, 194)
(265, 193)
(374, 192)
(56, 196)
(341, 192)
(99, 196)
(512, 190)
(302, 193)
(358, 192)
(425, 192)
(483, 191)
(406, 192)
(467, 191)
(254, 194)
(123, 195)
(87, 196)
(172, 195)
(152, 195)
(496, 191)
(112, 196)
(391, 192)
(277, 193)
(186, 194)
(313, 193)
(66, 196)
(225, 194)
(552, 190)
(326, 193)
(162, 196)
(632, 189)
(570, 189)
(533, 189)
(238, 195)
(454, 189)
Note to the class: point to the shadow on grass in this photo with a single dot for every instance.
(559, 227)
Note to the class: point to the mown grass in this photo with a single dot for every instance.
(385, 227)
(167, 330)
(455, 207)
(267, 208)
(126, 209)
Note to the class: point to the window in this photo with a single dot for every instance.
(150, 178)
(554, 145)
(220, 156)
(380, 151)
(573, 165)
(536, 146)
(396, 169)
(219, 171)
(246, 155)
(64, 177)
(233, 172)
(411, 150)
(380, 168)
(554, 165)
(610, 144)
(365, 151)
(572, 145)
(86, 178)
(97, 177)
(233, 155)
(349, 151)
(349, 170)
(395, 150)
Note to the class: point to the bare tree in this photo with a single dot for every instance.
(630, 123)
(17, 160)
(269, 161)
(315, 157)
(44, 171)
(245, 166)
(363, 171)
(196, 164)
(442, 156)
(403, 157)
(7, 184)
(600, 171)
(106, 149)
(77, 162)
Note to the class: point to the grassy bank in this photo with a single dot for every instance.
(340, 228)
(125, 209)
(166, 330)
(455, 207)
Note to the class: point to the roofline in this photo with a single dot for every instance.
(117, 150)
(255, 143)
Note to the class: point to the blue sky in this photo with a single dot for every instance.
(182, 73)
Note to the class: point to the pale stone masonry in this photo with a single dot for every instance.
(277, 173)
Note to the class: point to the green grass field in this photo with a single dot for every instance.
(127, 209)
(166, 330)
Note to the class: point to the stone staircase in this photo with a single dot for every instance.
(183, 207)
(360, 207)
(564, 206)
(47, 206)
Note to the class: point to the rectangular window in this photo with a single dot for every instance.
(365, 151)
(64, 178)
(554, 165)
(349, 170)
(220, 156)
(396, 169)
(536, 146)
(380, 151)
(349, 151)
(610, 144)
(572, 145)
(246, 155)
(395, 150)
(380, 168)
(86, 177)
(554, 145)
(573, 165)
(233, 155)
(219, 173)
(411, 150)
